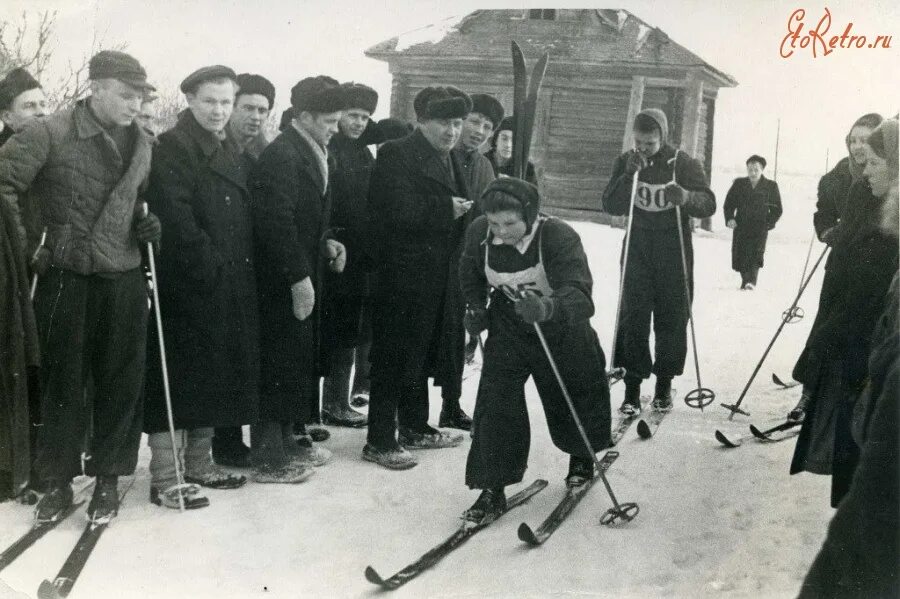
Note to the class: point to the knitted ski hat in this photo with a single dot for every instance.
(883, 142)
(650, 118)
(16, 82)
(524, 192)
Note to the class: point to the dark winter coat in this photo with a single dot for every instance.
(345, 315)
(755, 210)
(860, 555)
(834, 187)
(478, 170)
(291, 203)
(834, 362)
(207, 282)
(353, 164)
(6, 134)
(507, 169)
(88, 191)
(419, 306)
(18, 352)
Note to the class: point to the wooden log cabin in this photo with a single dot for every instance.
(605, 65)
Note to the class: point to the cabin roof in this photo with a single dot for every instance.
(603, 37)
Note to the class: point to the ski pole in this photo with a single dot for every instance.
(736, 407)
(626, 511)
(796, 313)
(618, 373)
(165, 371)
(34, 277)
(701, 396)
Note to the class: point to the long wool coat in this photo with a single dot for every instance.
(756, 210)
(835, 360)
(207, 282)
(419, 306)
(345, 318)
(291, 207)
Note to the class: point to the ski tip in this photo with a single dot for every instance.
(643, 430)
(721, 438)
(758, 433)
(526, 535)
(48, 590)
(373, 577)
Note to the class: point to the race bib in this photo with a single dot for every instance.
(651, 197)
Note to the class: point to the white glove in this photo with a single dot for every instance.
(731, 224)
(303, 297)
(336, 254)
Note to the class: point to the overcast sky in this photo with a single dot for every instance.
(286, 40)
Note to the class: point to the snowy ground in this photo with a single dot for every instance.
(713, 522)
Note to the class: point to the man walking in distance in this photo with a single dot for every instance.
(655, 278)
(293, 246)
(347, 313)
(254, 101)
(418, 201)
(89, 163)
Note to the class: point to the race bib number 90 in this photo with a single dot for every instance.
(651, 197)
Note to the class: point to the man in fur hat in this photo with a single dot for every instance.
(21, 100)
(254, 102)
(292, 198)
(655, 279)
(91, 302)
(347, 319)
(418, 200)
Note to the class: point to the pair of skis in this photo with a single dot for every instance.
(648, 421)
(468, 529)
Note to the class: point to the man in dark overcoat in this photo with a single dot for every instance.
(88, 164)
(752, 207)
(207, 289)
(252, 105)
(418, 200)
(293, 247)
(478, 129)
(347, 313)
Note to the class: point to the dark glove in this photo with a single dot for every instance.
(635, 162)
(475, 321)
(676, 194)
(41, 261)
(148, 229)
(534, 308)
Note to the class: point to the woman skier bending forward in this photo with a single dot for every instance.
(517, 269)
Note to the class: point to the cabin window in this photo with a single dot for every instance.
(542, 14)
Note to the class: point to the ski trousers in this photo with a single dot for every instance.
(501, 429)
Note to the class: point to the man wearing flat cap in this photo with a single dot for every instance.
(207, 289)
(292, 205)
(88, 164)
(478, 129)
(252, 105)
(418, 200)
(21, 100)
(346, 318)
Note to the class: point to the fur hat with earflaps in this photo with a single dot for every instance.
(442, 103)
